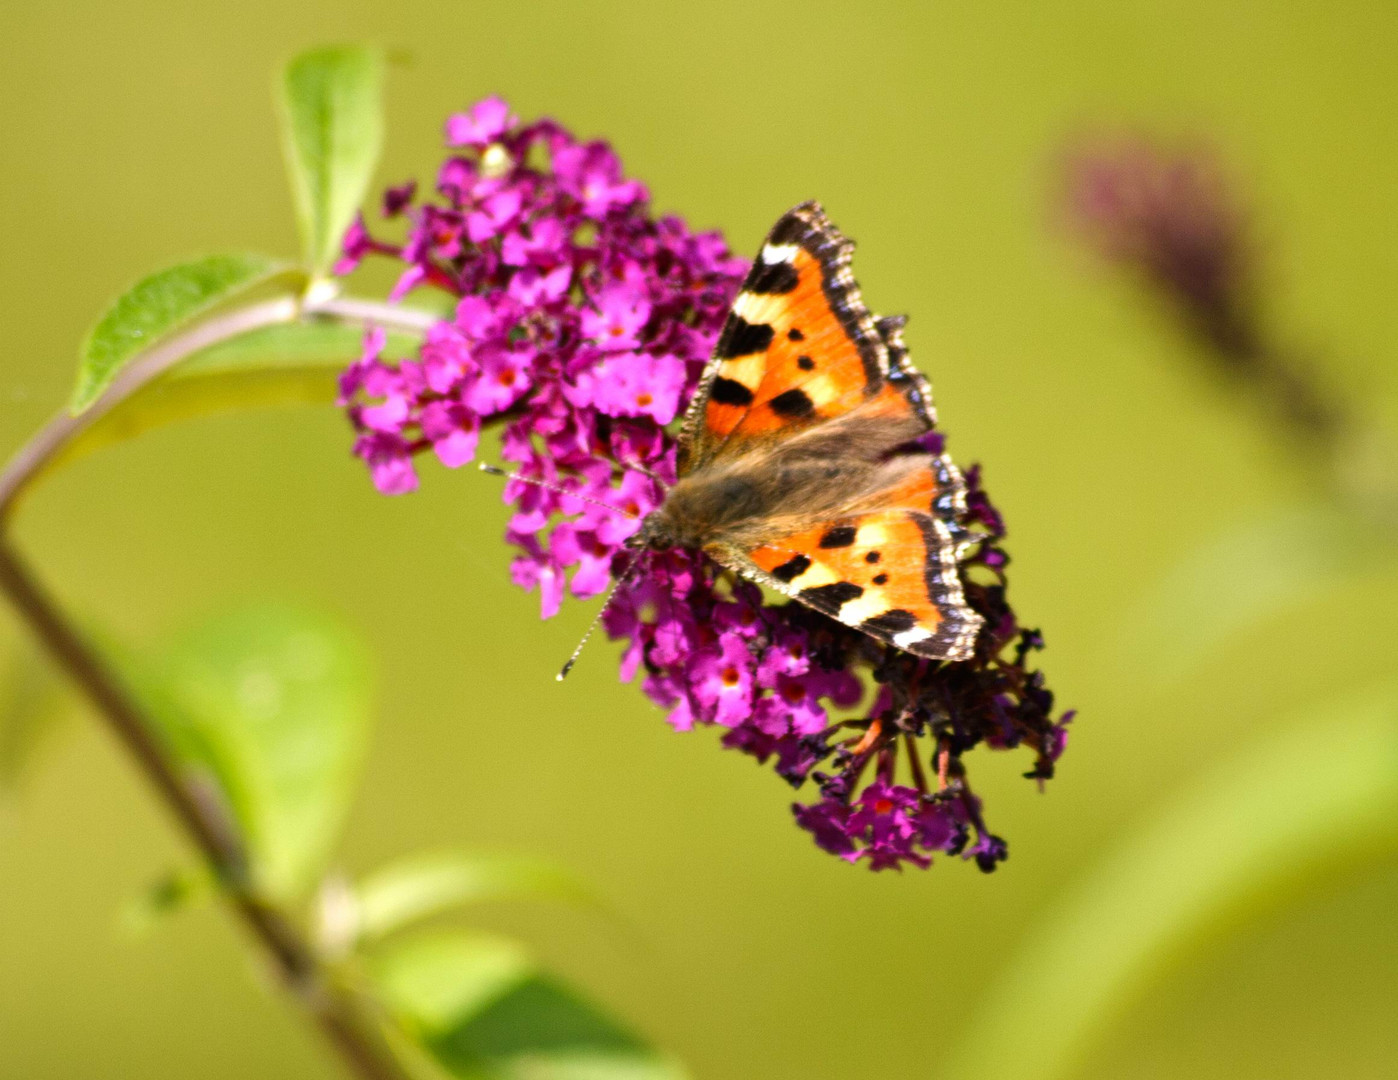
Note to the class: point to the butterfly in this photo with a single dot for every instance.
(800, 466)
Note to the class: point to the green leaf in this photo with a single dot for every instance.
(419, 887)
(273, 704)
(156, 305)
(332, 128)
(436, 981)
(481, 1009)
(294, 364)
(1241, 577)
(1319, 798)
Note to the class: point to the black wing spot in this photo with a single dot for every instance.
(795, 335)
(838, 537)
(805, 363)
(894, 621)
(794, 404)
(777, 277)
(729, 392)
(832, 597)
(872, 557)
(742, 338)
(792, 568)
(880, 579)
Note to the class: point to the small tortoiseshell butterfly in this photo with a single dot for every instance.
(800, 465)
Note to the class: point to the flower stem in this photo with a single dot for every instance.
(915, 764)
(340, 1016)
(373, 312)
(343, 1016)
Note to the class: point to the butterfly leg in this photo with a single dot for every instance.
(915, 763)
(870, 738)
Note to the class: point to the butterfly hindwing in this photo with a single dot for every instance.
(936, 487)
(891, 574)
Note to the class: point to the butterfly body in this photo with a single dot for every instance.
(802, 460)
(786, 486)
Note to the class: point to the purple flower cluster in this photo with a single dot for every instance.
(581, 327)
(1167, 214)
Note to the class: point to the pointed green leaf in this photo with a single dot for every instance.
(156, 305)
(290, 364)
(410, 890)
(332, 129)
(273, 703)
(294, 364)
(436, 981)
(1311, 802)
(482, 1010)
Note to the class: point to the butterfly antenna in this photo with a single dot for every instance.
(495, 470)
(606, 603)
(635, 467)
(625, 576)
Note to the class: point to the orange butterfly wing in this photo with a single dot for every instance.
(891, 574)
(799, 349)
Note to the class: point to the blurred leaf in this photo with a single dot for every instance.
(298, 363)
(437, 980)
(1239, 578)
(166, 896)
(30, 709)
(274, 703)
(332, 129)
(482, 1010)
(416, 888)
(154, 306)
(1260, 827)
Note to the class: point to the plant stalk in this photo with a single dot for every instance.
(340, 1017)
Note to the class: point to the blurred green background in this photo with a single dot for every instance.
(136, 134)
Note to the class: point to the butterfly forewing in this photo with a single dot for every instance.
(798, 347)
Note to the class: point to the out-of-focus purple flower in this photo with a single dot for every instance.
(353, 248)
(591, 173)
(396, 199)
(480, 125)
(390, 462)
(1167, 213)
(581, 327)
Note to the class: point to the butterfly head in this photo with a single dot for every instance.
(657, 533)
(702, 510)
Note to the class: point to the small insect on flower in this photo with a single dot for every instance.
(799, 461)
(806, 462)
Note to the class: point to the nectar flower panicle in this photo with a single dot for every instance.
(1168, 214)
(582, 325)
